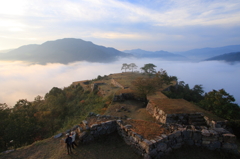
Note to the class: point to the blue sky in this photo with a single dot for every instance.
(172, 25)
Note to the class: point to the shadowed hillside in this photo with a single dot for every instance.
(230, 57)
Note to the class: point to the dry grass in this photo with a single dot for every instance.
(132, 109)
(157, 95)
(148, 130)
(126, 78)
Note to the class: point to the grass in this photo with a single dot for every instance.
(107, 147)
(130, 108)
(181, 106)
(126, 78)
(148, 130)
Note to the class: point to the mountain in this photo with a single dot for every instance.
(5, 51)
(156, 54)
(63, 51)
(229, 57)
(205, 53)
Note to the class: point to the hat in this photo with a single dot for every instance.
(67, 134)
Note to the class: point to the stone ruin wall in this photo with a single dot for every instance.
(164, 118)
(213, 139)
(115, 83)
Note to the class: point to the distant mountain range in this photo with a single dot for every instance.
(71, 50)
(155, 54)
(63, 51)
(229, 57)
(205, 53)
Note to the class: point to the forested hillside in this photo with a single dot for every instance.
(28, 121)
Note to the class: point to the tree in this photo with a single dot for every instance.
(144, 87)
(125, 66)
(4, 121)
(162, 78)
(149, 68)
(183, 91)
(221, 103)
(132, 66)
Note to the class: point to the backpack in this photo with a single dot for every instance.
(68, 140)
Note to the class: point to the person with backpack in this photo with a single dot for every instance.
(68, 142)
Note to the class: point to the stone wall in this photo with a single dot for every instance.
(197, 119)
(215, 124)
(94, 86)
(213, 139)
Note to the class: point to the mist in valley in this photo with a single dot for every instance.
(20, 80)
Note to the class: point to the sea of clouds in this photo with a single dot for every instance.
(19, 80)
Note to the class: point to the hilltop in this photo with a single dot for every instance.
(147, 119)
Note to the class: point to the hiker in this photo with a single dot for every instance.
(68, 141)
(73, 136)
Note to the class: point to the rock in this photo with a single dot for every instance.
(189, 142)
(85, 122)
(87, 127)
(8, 151)
(230, 138)
(91, 114)
(205, 132)
(68, 131)
(221, 130)
(58, 135)
(187, 134)
(146, 156)
(161, 147)
(82, 135)
(75, 127)
(118, 110)
(168, 150)
(229, 146)
(139, 137)
(177, 146)
(153, 153)
(128, 126)
(214, 145)
(197, 135)
(80, 129)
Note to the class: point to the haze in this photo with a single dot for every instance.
(20, 80)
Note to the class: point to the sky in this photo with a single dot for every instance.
(36, 79)
(170, 25)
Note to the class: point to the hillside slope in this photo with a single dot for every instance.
(63, 51)
(111, 147)
(229, 57)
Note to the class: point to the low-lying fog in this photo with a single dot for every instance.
(20, 80)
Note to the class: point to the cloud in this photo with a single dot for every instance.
(20, 80)
(151, 22)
